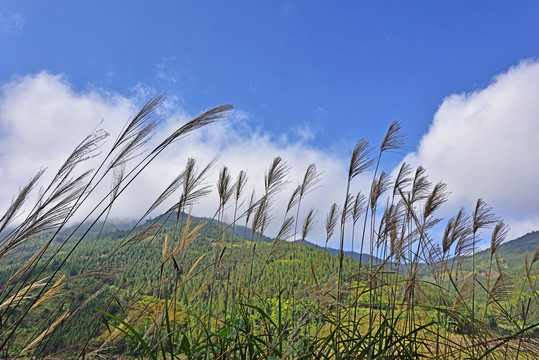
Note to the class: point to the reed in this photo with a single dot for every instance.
(422, 292)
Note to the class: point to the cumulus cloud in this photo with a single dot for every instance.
(485, 144)
(42, 118)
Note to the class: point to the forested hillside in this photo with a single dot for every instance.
(123, 272)
(124, 267)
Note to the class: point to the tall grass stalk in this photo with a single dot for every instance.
(211, 294)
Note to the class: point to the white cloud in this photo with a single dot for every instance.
(483, 144)
(486, 144)
(42, 118)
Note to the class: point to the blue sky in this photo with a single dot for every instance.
(357, 65)
(313, 75)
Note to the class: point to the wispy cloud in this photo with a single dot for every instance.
(169, 71)
(486, 144)
(11, 23)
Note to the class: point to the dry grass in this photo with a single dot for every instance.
(418, 300)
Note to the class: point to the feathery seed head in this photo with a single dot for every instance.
(240, 184)
(498, 236)
(274, 179)
(308, 224)
(436, 198)
(482, 216)
(331, 221)
(403, 178)
(310, 180)
(361, 160)
(394, 139)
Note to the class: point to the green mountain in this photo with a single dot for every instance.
(121, 270)
(128, 270)
(519, 246)
(363, 258)
(511, 255)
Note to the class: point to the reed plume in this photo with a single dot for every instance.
(437, 197)
(360, 160)
(225, 188)
(274, 179)
(403, 179)
(308, 224)
(193, 190)
(331, 221)
(394, 139)
(498, 236)
(216, 114)
(482, 216)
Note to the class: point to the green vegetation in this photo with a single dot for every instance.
(181, 287)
